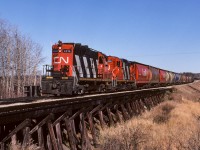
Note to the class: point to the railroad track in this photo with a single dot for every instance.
(108, 108)
(24, 103)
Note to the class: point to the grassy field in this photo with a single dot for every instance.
(172, 125)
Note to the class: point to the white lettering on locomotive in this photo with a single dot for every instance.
(58, 60)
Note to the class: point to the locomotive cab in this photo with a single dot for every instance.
(58, 78)
(62, 59)
(103, 72)
(115, 67)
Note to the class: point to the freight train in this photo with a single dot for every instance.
(78, 69)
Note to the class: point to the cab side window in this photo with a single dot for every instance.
(118, 63)
(100, 60)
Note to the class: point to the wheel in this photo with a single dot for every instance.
(80, 92)
(101, 88)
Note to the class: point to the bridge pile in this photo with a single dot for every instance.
(72, 122)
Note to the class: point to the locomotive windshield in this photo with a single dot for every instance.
(100, 60)
(55, 51)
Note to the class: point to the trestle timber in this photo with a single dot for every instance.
(75, 124)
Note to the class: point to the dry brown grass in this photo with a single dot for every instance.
(15, 145)
(172, 125)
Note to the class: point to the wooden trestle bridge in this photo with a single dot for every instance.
(71, 122)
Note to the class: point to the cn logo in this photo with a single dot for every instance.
(58, 60)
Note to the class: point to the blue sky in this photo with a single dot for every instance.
(162, 33)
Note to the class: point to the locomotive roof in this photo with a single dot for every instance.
(113, 56)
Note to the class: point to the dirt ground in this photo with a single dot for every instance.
(187, 91)
(172, 125)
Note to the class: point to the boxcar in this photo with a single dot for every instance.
(183, 78)
(171, 77)
(142, 73)
(162, 76)
(167, 77)
(154, 75)
(177, 78)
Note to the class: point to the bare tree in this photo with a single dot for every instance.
(19, 61)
